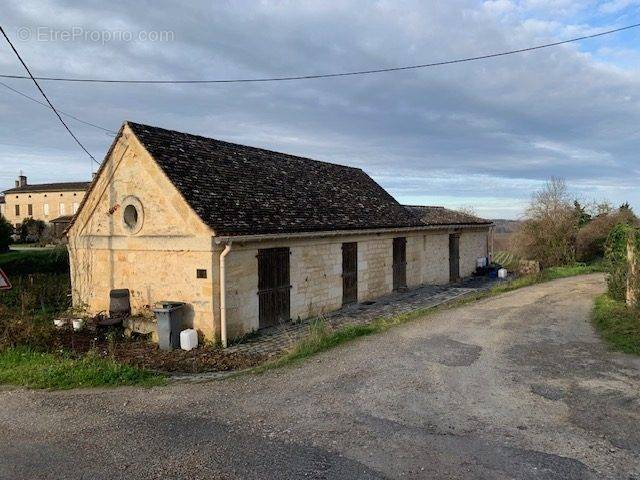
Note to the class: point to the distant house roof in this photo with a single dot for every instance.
(430, 215)
(240, 190)
(62, 219)
(50, 187)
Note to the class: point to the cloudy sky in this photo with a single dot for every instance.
(480, 134)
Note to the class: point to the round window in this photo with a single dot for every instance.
(132, 214)
(131, 217)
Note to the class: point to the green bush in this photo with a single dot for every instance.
(5, 234)
(592, 237)
(24, 262)
(40, 292)
(616, 264)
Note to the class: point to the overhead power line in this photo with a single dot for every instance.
(329, 75)
(9, 87)
(45, 97)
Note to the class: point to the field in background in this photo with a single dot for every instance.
(507, 259)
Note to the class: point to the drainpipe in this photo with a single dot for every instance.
(223, 296)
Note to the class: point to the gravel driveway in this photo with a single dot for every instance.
(515, 386)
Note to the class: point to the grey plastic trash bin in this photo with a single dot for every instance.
(168, 324)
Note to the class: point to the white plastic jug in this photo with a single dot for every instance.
(188, 339)
(502, 273)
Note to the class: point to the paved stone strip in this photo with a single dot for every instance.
(276, 340)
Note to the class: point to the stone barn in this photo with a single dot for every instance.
(250, 238)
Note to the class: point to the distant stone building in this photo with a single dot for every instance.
(249, 238)
(60, 225)
(44, 201)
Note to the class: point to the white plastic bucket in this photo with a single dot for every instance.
(188, 339)
(502, 273)
(78, 323)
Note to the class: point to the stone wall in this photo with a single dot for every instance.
(158, 262)
(316, 271)
(57, 204)
(472, 246)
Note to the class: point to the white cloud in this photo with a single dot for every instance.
(510, 121)
(616, 6)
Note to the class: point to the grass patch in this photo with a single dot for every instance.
(546, 275)
(28, 368)
(321, 338)
(617, 324)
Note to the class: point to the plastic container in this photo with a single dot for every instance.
(188, 339)
(60, 322)
(119, 303)
(502, 273)
(78, 323)
(169, 324)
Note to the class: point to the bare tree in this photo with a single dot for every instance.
(548, 232)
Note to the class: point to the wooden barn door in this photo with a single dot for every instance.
(349, 273)
(274, 288)
(454, 257)
(399, 263)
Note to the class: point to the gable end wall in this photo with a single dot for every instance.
(157, 263)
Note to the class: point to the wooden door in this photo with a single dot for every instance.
(274, 288)
(399, 263)
(349, 273)
(454, 257)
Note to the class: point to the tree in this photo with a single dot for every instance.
(626, 208)
(548, 232)
(581, 214)
(591, 239)
(6, 230)
(31, 230)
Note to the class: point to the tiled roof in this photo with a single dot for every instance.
(51, 187)
(62, 219)
(238, 190)
(443, 216)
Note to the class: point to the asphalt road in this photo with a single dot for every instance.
(511, 387)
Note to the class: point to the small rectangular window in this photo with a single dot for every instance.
(75, 207)
(201, 273)
(45, 209)
(17, 210)
(30, 210)
(61, 208)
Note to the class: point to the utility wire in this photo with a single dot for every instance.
(61, 112)
(45, 96)
(330, 75)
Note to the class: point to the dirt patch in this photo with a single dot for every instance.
(548, 392)
(144, 354)
(446, 351)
